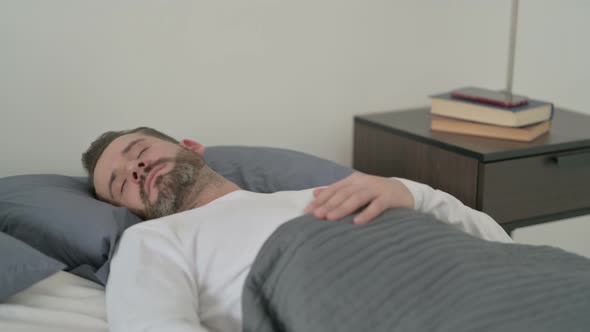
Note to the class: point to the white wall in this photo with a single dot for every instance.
(263, 72)
(282, 73)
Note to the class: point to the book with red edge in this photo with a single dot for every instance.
(535, 111)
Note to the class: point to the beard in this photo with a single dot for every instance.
(174, 187)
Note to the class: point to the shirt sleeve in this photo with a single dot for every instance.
(151, 286)
(450, 210)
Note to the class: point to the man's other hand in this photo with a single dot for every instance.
(358, 190)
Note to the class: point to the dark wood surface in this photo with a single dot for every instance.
(570, 131)
(378, 152)
(516, 183)
(531, 187)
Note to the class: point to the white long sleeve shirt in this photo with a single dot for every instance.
(185, 272)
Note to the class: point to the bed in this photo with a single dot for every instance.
(57, 241)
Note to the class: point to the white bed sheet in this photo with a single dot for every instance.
(63, 302)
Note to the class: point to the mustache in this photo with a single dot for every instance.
(149, 168)
(174, 187)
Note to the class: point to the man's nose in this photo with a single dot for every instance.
(135, 169)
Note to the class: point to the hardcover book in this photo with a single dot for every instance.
(522, 134)
(534, 111)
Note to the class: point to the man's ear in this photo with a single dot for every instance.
(195, 146)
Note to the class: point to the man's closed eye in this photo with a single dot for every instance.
(141, 152)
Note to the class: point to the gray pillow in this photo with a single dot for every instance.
(22, 266)
(59, 216)
(266, 170)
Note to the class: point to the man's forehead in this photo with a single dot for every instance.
(118, 145)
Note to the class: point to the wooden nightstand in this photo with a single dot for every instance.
(518, 184)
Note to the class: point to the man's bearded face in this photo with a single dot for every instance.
(174, 187)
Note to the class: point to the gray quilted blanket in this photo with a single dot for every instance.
(406, 271)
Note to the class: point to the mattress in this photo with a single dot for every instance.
(63, 302)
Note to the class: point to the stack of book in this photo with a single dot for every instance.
(519, 123)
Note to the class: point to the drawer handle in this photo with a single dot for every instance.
(573, 160)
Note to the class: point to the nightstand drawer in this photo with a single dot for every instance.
(524, 188)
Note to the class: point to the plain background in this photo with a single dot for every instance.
(268, 72)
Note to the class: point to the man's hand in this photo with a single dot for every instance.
(357, 190)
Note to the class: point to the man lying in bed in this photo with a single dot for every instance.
(185, 270)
